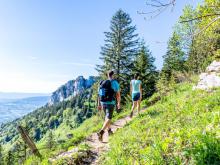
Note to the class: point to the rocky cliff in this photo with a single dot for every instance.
(210, 78)
(71, 88)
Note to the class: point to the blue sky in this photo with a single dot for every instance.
(44, 44)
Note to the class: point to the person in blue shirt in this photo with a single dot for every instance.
(109, 106)
(136, 93)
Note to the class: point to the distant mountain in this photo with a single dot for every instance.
(11, 109)
(73, 98)
(71, 88)
(13, 95)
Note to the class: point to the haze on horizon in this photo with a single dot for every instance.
(44, 44)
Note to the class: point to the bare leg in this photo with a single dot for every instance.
(133, 107)
(106, 124)
(139, 106)
(109, 125)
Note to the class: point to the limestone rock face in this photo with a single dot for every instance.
(71, 88)
(211, 78)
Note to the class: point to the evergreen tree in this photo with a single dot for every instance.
(175, 57)
(9, 160)
(162, 84)
(37, 134)
(20, 152)
(1, 154)
(144, 65)
(50, 141)
(120, 49)
(78, 119)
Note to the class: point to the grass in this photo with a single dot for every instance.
(88, 127)
(79, 134)
(181, 128)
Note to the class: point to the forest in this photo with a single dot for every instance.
(182, 125)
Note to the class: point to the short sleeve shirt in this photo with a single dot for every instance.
(135, 86)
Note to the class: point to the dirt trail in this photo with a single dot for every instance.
(97, 147)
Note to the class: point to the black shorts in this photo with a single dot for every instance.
(108, 109)
(136, 96)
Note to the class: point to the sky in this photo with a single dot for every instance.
(45, 43)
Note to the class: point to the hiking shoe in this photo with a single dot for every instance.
(100, 135)
(110, 132)
(131, 114)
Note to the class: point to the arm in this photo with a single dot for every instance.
(118, 97)
(140, 88)
(130, 88)
(99, 102)
(116, 87)
(99, 107)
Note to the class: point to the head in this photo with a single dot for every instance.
(136, 76)
(110, 74)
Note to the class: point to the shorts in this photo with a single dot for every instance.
(136, 96)
(108, 109)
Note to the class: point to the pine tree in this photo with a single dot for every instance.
(9, 158)
(50, 141)
(144, 65)
(162, 84)
(120, 49)
(175, 58)
(20, 151)
(1, 154)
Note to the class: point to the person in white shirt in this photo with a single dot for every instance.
(136, 93)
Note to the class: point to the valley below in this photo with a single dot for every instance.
(11, 109)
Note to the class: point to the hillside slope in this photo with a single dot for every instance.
(65, 114)
(182, 128)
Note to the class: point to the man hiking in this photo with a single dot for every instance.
(109, 95)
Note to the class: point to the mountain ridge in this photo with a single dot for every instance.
(71, 88)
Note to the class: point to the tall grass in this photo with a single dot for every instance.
(181, 128)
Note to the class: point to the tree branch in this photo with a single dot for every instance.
(206, 27)
(203, 29)
(158, 7)
(197, 18)
(157, 3)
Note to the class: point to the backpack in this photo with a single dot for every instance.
(106, 93)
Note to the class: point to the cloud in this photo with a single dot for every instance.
(32, 58)
(78, 64)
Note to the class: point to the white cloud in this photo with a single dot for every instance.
(32, 58)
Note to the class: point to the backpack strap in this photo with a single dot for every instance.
(100, 83)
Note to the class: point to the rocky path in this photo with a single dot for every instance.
(97, 147)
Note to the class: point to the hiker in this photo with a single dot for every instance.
(136, 93)
(109, 95)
